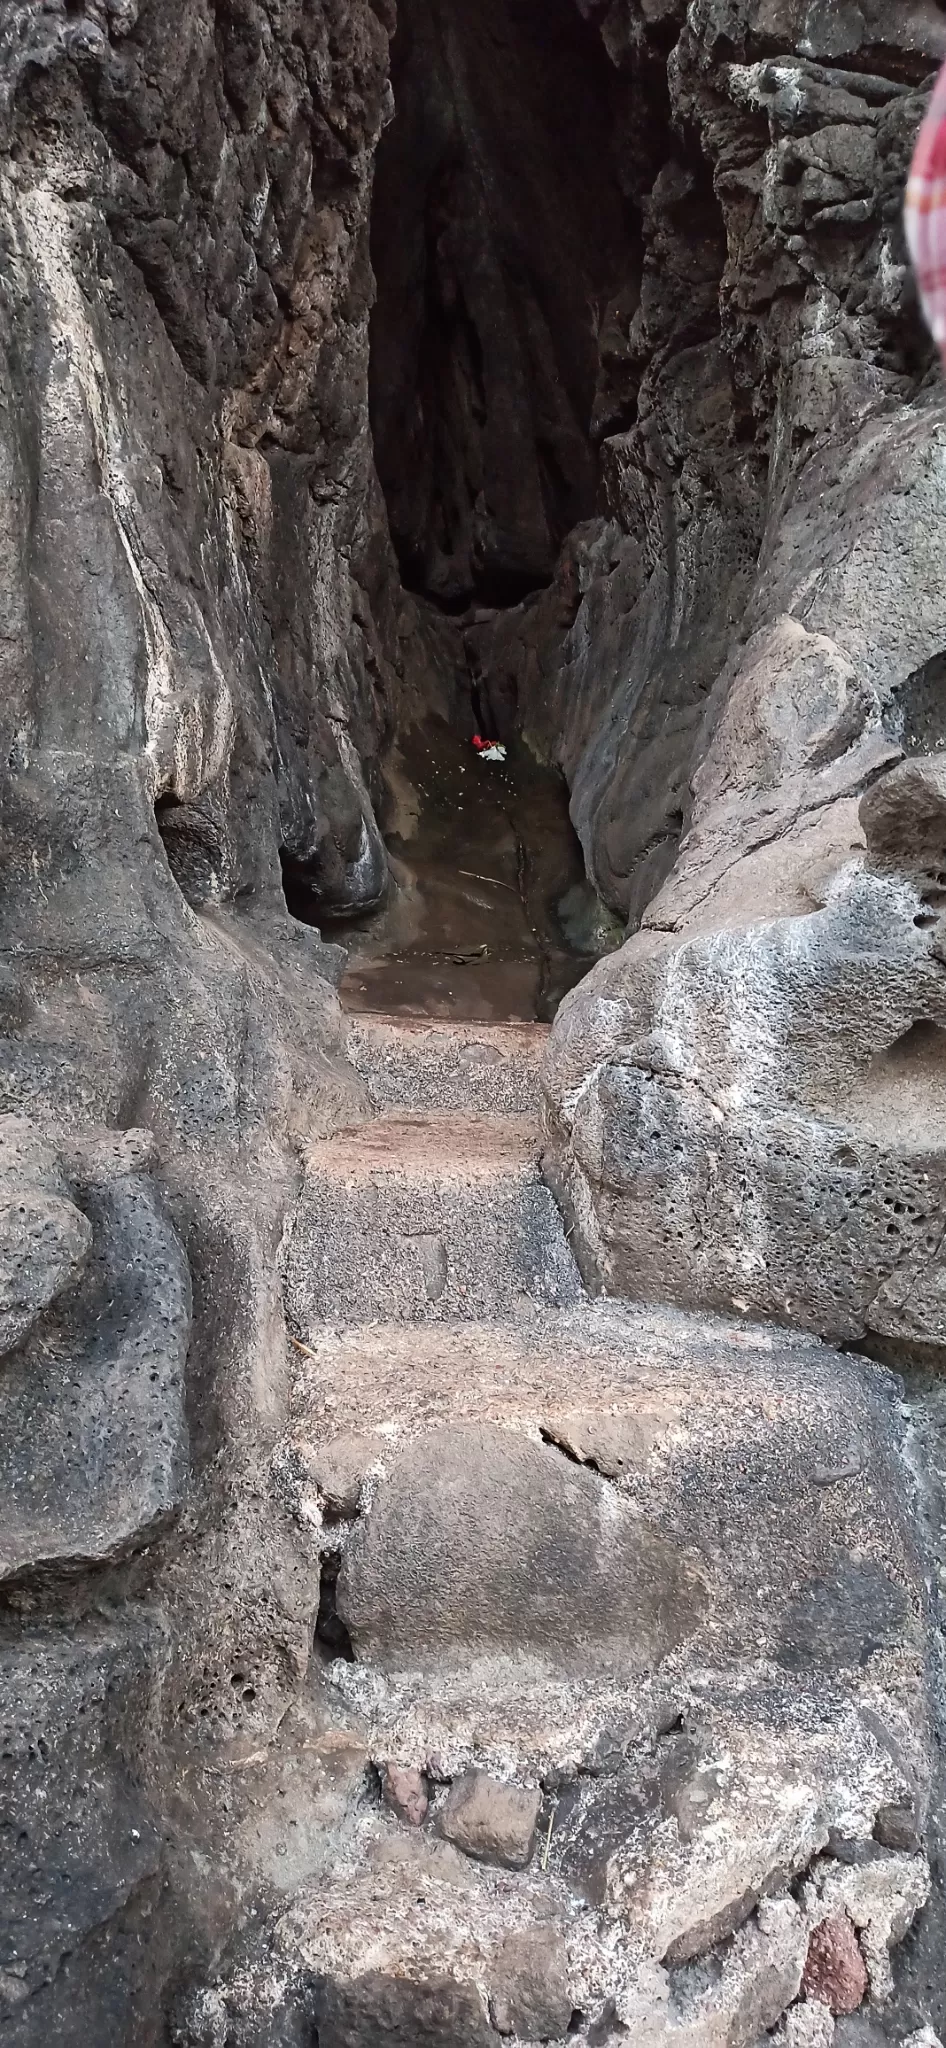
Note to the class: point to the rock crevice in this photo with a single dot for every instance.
(555, 370)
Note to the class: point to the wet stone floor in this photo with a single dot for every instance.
(488, 915)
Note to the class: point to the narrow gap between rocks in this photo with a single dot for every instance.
(331, 1636)
(500, 235)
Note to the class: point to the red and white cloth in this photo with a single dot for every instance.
(926, 213)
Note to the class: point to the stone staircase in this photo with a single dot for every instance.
(620, 1616)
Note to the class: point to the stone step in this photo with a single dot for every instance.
(691, 1491)
(426, 1217)
(412, 1063)
(627, 1617)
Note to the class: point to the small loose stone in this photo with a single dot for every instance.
(835, 1970)
(404, 1791)
(492, 1821)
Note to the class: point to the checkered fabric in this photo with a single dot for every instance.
(926, 213)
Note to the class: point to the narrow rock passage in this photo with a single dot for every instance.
(489, 914)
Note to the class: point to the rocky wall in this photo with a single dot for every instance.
(189, 699)
(205, 649)
(745, 1097)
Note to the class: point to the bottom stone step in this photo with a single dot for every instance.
(621, 1650)
(414, 1063)
(609, 1491)
(622, 1637)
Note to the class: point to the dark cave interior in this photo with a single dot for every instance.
(500, 237)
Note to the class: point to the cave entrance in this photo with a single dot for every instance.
(499, 236)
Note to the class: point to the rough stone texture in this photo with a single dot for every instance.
(82, 1851)
(44, 1237)
(495, 251)
(593, 1584)
(715, 1149)
(744, 1098)
(425, 1216)
(664, 468)
(773, 316)
(375, 2011)
(494, 1822)
(404, 1791)
(530, 1987)
(835, 1970)
(93, 1445)
(489, 1069)
(640, 1583)
(806, 2026)
(458, 1415)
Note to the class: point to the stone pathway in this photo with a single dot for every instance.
(620, 1664)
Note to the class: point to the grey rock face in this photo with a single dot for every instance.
(493, 251)
(467, 1592)
(775, 317)
(44, 1237)
(582, 1582)
(720, 1151)
(162, 739)
(668, 421)
(530, 1988)
(453, 1211)
(633, 1600)
(82, 1851)
(94, 1440)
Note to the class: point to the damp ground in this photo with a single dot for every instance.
(489, 915)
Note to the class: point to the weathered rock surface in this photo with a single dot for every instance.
(425, 1216)
(93, 1445)
(44, 1237)
(493, 1822)
(484, 1069)
(717, 1150)
(82, 1848)
(530, 1996)
(160, 744)
(633, 1599)
(774, 318)
(405, 1792)
(737, 1094)
(835, 1970)
(653, 411)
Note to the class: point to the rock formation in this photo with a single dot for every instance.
(400, 1643)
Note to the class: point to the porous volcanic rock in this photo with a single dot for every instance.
(754, 1074)
(312, 1451)
(184, 212)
